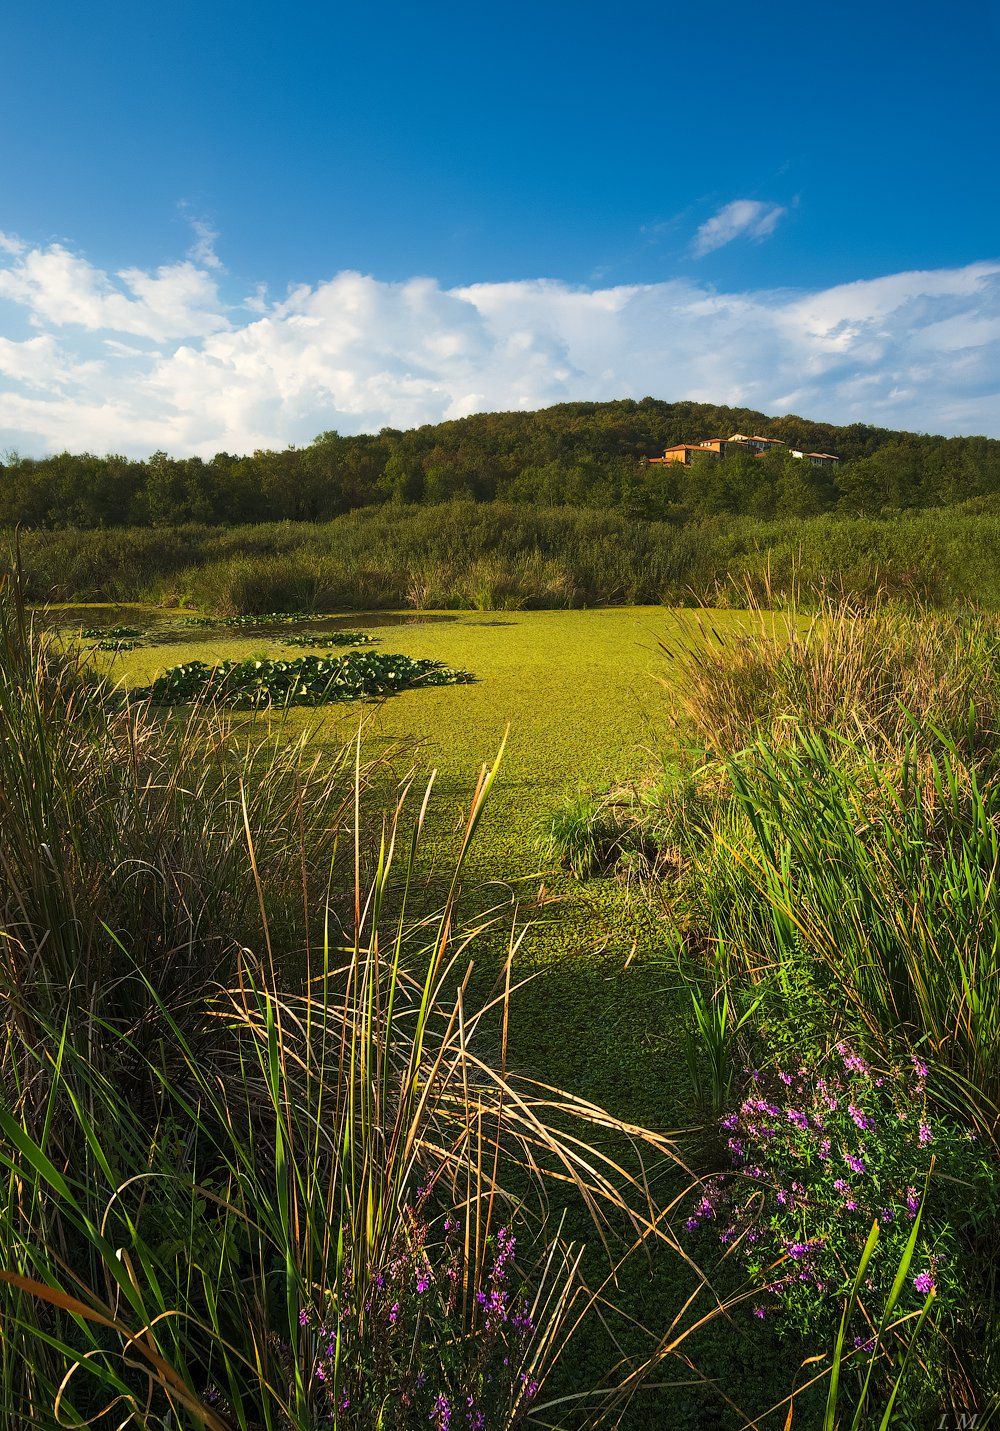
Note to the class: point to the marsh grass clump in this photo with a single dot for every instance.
(581, 834)
(871, 673)
(870, 889)
(123, 832)
(840, 880)
(592, 833)
(305, 681)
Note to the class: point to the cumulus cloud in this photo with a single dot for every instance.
(743, 218)
(919, 349)
(61, 288)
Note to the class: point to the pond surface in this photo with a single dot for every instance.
(160, 627)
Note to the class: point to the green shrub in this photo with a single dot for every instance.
(820, 1152)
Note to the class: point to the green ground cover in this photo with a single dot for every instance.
(579, 693)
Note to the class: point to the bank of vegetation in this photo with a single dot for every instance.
(493, 556)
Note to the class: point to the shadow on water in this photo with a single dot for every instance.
(169, 628)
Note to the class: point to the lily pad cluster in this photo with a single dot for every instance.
(113, 633)
(330, 638)
(304, 681)
(113, 638)
(263, 618)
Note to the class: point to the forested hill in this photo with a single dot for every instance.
(575, 454)
(638, 429)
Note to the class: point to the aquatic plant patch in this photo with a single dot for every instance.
(112, 643)
(330, 638)
(304, 681)
(262, 618)
(267, 618)
(112, 633)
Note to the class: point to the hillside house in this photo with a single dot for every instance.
(756, 445)
(686, 452)
(818, 459)
(682, 452)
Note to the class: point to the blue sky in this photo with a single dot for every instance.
(185, 190)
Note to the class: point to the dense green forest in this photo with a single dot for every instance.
(576, 454)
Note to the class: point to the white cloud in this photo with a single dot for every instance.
(58, 287)
(743, 218)
(203, 249)
(917, 350)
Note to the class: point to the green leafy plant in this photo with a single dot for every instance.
(305, 681)
(821, 1151)
(330, 638)
(113, 633)
(712, 1043)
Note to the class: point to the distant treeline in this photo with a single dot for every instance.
(489, 556)
(576, 454)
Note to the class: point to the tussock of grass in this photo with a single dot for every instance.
(869, 673)
(840, 879)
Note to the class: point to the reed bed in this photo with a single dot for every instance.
(490, 555)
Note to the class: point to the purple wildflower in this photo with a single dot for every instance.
(924, 1283)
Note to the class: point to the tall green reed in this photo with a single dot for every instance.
(878, 888)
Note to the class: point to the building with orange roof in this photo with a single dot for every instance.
(686, 452)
